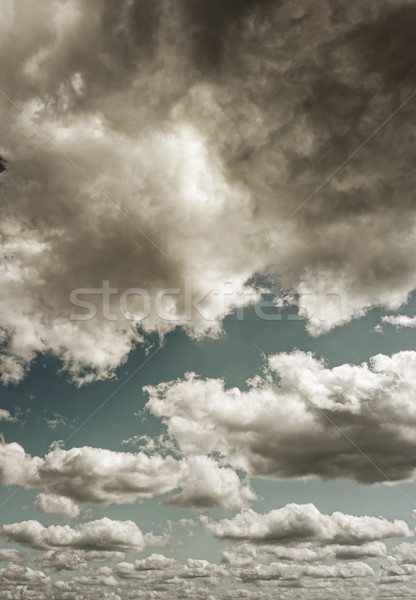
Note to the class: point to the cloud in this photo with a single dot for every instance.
(205, 485)
(163, 568)
(103, 534)
(354, 421)
(154, 562)
(103, 476)
(17, 467)
(199, 129)
(76, 560)
(10, 555)
(400, 321)
(283, 571)
(248, 554)
(304, 522)
(405, 553)
(14, 575)
(54, 421)
(57, 505)
(5, 415)
(100, 476)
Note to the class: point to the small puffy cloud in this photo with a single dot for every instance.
(17, 467)
(55, 420)
(283, 571)
(11, 369)
(304, 522)
(15, 574)
(103, 476)
(301, 418)
(5, 415)
(76, 560)
(103, 534)
(57, 505)
(154, 562)
(206, 485)
(141, 568)
(159, 567)
(400, 321)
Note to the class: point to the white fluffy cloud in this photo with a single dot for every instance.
(399, 321)
(186, 128)
(99, 476)
(406, 553)
(301, 418)
(304, 522)
(57, 505)
(10, 555)
(163, 568)
(249, 553)
(103, 534)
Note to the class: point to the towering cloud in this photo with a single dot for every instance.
(166, 146)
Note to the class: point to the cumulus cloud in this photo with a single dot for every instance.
(17, 467)
(161, 567)
(103, 534)
(76, 560)
(205, 485)
(100, 476)
(405, 553)
(14, 575)
(159, 141)
(304, 522)
(57, 505)
(301, 418)
(399, 321)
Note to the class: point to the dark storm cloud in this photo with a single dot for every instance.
(212, 27)
(207, 124)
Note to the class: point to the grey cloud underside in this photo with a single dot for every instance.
(300, 418)
(296, 523)
(69, 479)
(207, 124)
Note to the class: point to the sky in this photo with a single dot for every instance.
(207, 300)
